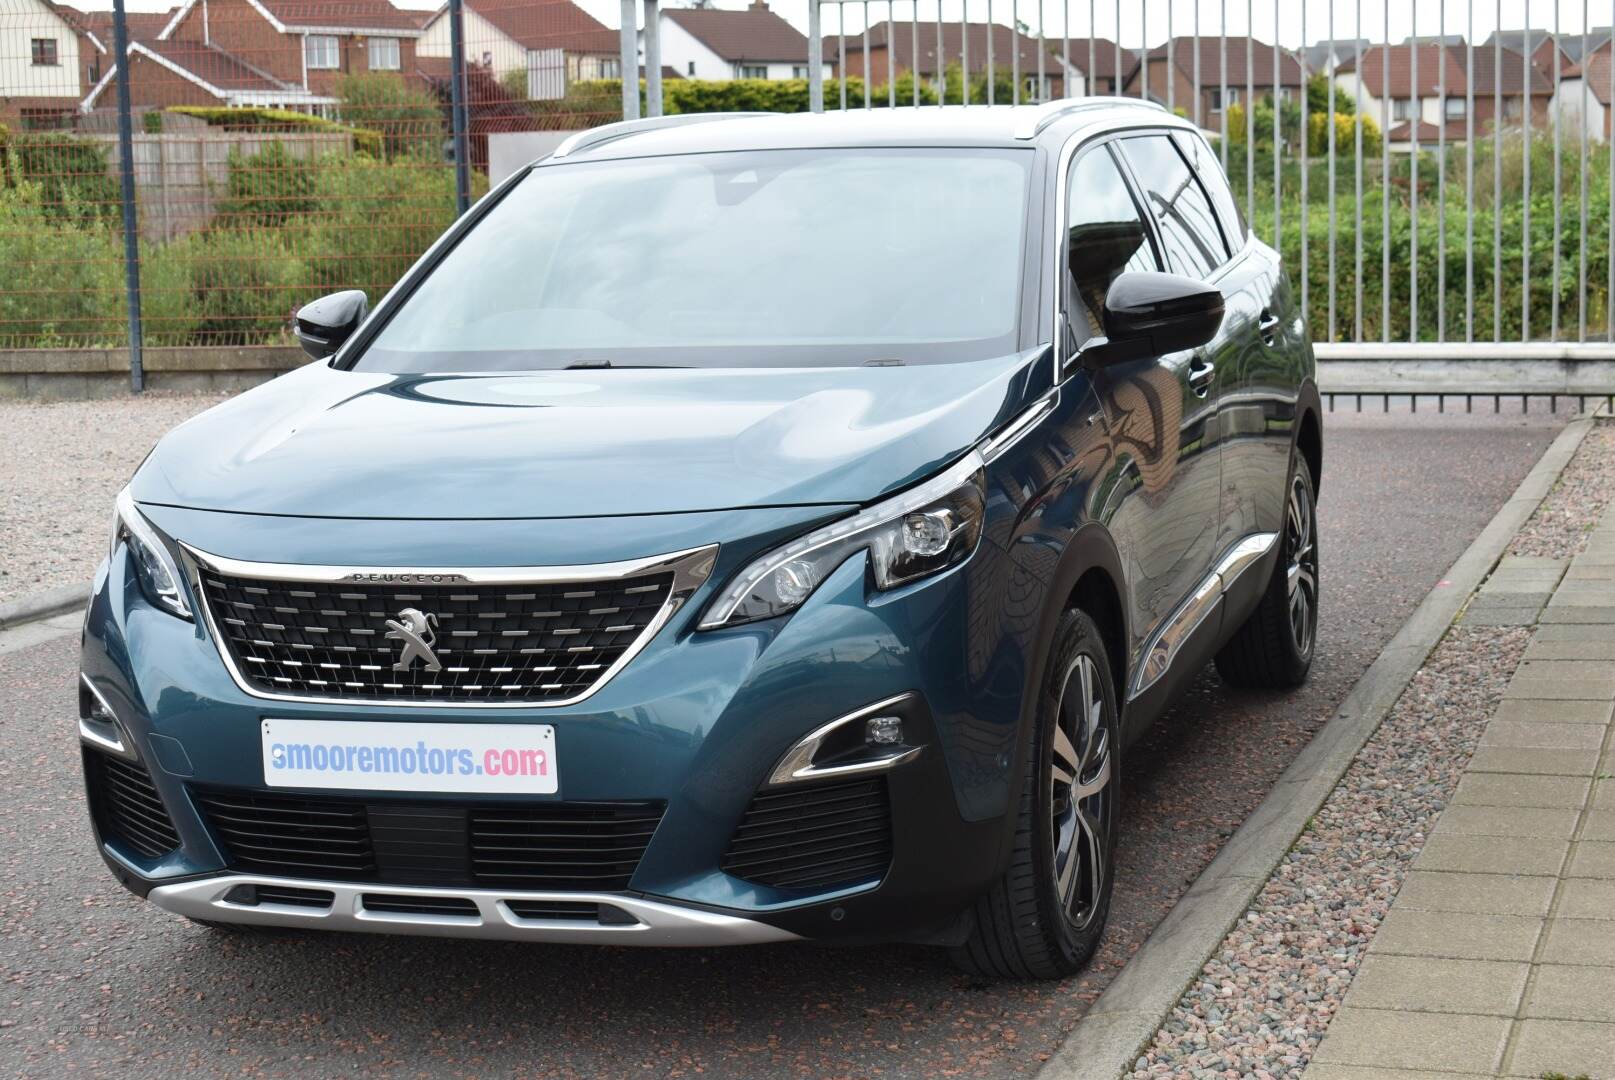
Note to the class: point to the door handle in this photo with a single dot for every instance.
(1268, 327)
(1202, 373)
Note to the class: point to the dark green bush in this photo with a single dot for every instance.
(72, 173)
(268, 188)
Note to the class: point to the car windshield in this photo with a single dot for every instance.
(755, 259)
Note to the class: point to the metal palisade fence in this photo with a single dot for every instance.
(1450, 187)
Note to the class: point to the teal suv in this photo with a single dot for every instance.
(734, 529)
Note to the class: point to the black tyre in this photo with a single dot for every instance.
(1043, 919)
(1274, 648)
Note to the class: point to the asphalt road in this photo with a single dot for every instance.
(98, 983)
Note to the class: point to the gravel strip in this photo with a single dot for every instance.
(63, 465)
(1264, 1000)
(1561, 525)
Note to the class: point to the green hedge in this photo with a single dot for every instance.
(254, 119)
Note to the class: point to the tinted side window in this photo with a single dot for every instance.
(1209, 170)
(1182, 210)
(1106, 237)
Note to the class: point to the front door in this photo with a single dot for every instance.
(1160, 503)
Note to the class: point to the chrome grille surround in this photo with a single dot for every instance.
(676, 577)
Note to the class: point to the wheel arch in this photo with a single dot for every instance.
(1089, 576)
(1309, 433)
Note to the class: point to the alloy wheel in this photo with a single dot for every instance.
(1082, 798)
(1301, 576)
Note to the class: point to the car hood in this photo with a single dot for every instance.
(325, 443)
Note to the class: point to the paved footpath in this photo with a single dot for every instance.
(1498, 955)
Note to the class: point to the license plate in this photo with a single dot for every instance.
(494, 759)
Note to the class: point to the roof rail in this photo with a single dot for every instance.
(1047, 113)
(624, 128)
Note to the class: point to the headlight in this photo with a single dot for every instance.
(923, 530)
(154, 566)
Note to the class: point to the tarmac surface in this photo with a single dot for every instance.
(97, 982)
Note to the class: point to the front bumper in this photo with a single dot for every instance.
(698, 723)
(618, 920)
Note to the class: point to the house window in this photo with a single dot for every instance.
(321, 52)
(1216, 98)
(1455, 108)
(753, 71)
(691, 70)
(1402, 108)
(384, 54)
(45, 52)
(799, 71)
(1511, 108)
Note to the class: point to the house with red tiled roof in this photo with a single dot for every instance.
(1243, 66)
(278, 53)
(907, 47)
(1381, 80)
(49, 58)
(555, 42)
(718, 43)
(1585, 93)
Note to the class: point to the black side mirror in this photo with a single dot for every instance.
(1151, 314)
(322, 326)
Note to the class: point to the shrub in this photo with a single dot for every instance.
(65, 274)
(408, 119)
(269, 187)
(254, 119)
(377, 220)
(227, 287)
(71, 172)
(1345, 135)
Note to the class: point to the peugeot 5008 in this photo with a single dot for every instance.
(734, 529)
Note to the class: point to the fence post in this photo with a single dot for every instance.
(126, 171)
(815, 58)
(653, 59)
(629, 45)
(457, 111)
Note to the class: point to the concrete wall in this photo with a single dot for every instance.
(75, 374)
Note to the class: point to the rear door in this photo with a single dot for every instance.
(1258, 383)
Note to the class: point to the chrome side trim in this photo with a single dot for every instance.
(1163, 647)
(690, 569)
(108, 737)
(1243, 555)
(657, 922)
(797, 764)
(995, 446)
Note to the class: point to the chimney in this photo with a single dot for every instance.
(758, 5)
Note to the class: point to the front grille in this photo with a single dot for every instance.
(127, 806)
(493, 643)
(561, 846)
(814, 836)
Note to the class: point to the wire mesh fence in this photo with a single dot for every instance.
(1449, 187)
